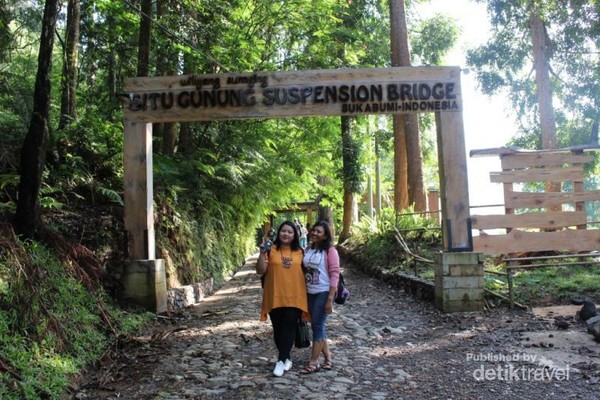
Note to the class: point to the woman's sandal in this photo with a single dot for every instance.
(327, 365)
(310, 368)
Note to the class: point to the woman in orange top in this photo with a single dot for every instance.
(284, 291)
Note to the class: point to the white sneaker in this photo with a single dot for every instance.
(279, 369)
(287, 365)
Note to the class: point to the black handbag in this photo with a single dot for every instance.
(342, 293)
(302, 335)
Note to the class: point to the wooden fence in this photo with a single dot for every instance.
(543, 220)
(545, 228)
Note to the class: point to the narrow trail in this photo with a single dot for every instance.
(385, 345)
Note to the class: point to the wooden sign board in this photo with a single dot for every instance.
(292, 94)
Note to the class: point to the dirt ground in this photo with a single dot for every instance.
(385, 344)
(556, 347)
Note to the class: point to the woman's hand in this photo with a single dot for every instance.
(329, 306)
(262, 263)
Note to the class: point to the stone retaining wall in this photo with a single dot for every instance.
(188, 295)
(422, 289)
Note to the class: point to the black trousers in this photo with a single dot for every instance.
(284, 322)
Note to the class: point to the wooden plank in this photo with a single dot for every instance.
(454, 188)
(567, 174)
(538, 220)
(548, 199)
(524, 160)
(519, 241)
(357, 91)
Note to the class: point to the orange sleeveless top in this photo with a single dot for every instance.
(284, 282)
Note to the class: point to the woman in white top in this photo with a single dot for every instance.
(322, 272)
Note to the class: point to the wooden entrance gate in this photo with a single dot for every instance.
(348, 92)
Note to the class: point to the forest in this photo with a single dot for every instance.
(62, 69)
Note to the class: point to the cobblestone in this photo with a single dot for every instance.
(385, 345)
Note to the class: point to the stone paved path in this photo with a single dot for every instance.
(385, 345)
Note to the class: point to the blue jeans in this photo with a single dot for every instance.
(318, 316)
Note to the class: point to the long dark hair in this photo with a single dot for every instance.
(295, 245)
(328, 241)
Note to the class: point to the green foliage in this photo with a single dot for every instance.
(208, 200)
(207, 232)
(8, 185)
(374, 240)
(51, 324)
(504, 64)
(5, 34)
(541, 286)
(436, 36)
(390, 220)
(352, 173)
(557, 284)
(494, 284)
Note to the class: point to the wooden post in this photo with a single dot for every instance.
(144, 277)
(454, 187)
(139, 212)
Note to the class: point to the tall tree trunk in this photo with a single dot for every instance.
(165, 68)
(399, 58)
(27, 217)
(400, 164)
(377, 178)
(111, 79)
(347, 159)
(186, 143)
(144, 39)
(5, 32)
(68, 101)
(416, 182)
(544, 90)
(542, 80)
(169, 138)
(409, 183)
(144, 45)
(325, 213)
